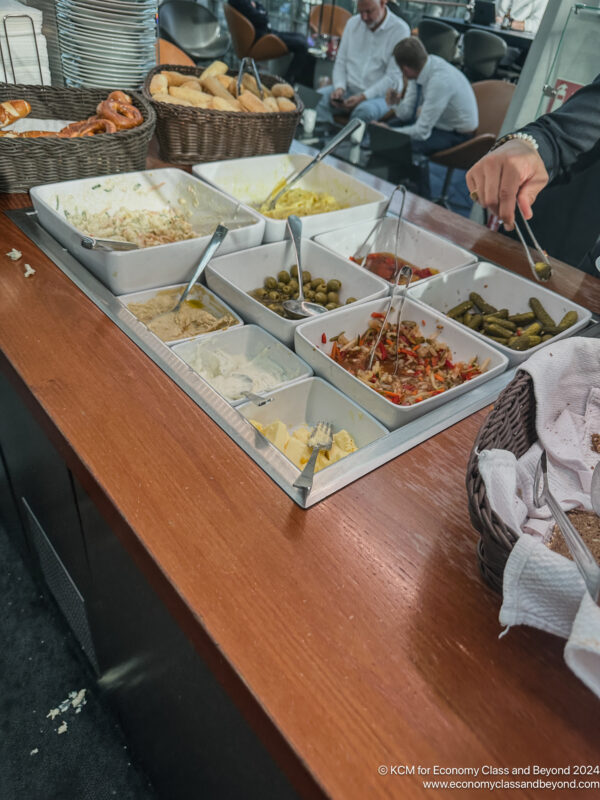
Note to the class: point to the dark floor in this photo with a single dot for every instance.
(42, 668)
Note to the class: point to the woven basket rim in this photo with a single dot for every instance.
(142, 103)
(190, 112)
(496, 538)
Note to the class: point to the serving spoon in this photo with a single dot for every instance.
(300, 307)
(107, 244)
(295, 176)
(364, 249)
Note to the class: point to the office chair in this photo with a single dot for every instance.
(328, 20)
(194, 29)
(482, 52)
(243, 35)
(439, 39)
(493, 99)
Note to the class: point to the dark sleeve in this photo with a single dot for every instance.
(257, 14)
(571, 134)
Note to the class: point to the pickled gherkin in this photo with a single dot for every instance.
(523, 342)
(505, 323)
(459, 310)
(474, 321)
(477, 300)
(523, 319)
(541, 313)
(570, 318)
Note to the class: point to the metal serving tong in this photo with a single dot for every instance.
(541, 270)
(585, 561)
(405, 272)
(365, 248)
(109, 245)
(295, 176)
(246, 61)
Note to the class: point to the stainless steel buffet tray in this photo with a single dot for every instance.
(274, 463)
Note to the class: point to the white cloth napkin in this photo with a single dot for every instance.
(542, 588)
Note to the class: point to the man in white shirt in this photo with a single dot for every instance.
(439, 108)
(364, 69)
(524, 15)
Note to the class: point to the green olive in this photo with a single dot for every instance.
(295, 296)
(270, 283)
(294, 284)
(288, 290)
(283, 276)
(274, 296)
(259, 293)
(334, 286)
(321, 298)
(331, 306)
(322, 287)
(294, 271)
(309, 294)
(351, 300)
(316, 282)
(333, 297)
(306, 276)
(306, 288)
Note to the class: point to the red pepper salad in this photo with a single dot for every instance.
(425, 366)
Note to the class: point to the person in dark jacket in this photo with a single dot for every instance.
(302, 67)
(522, 163)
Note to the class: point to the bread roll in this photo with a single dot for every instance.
(229, 83)
(285, 104)
(220, 104)
(167, 98)
(159, 84)
(176, 78)
(283, 90)
(199, 99)
(271, 104)
(12, 110)
(250, 102)
(193, 83)
(216, 68)
(214, 87)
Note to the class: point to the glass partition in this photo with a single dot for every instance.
(576, 60)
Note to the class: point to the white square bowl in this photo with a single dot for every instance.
(211, 303)
(233, 276)
(154, 190)
(502, 289)
(354, 320)
(249, 341)
(251, 180)
(416, 245)
(311, 400)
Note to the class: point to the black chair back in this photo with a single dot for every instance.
(482, 52)
(438, 38)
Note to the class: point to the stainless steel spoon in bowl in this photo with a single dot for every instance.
(300, 307)
(216, 240)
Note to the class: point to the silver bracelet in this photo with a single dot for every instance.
(527, 138)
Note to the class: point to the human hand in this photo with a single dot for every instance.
(514, 173)
(354, 100)
(392, 96)
(336, 97)
(517, 25)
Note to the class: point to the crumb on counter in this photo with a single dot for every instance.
(15, 254)
(62, 728)
(29, 270)
(34, 751)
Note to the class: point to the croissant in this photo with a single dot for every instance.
(12, 110)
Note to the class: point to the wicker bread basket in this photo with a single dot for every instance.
(29, 162)
(509, 426)
(189, 135)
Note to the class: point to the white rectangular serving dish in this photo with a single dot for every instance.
(416, 245)
(502, 289)
(211, 303)
(308, 402)
(249, 341)
(153, 190)
(234, 275)
(251, 180)
(355, 319)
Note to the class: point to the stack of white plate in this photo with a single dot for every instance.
(106, 43)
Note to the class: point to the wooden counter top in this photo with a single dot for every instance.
(353, 635)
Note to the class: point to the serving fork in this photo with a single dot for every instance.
(321, 438)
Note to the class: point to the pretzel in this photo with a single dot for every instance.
(123, 114)
(12, 110)
(88, 127)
